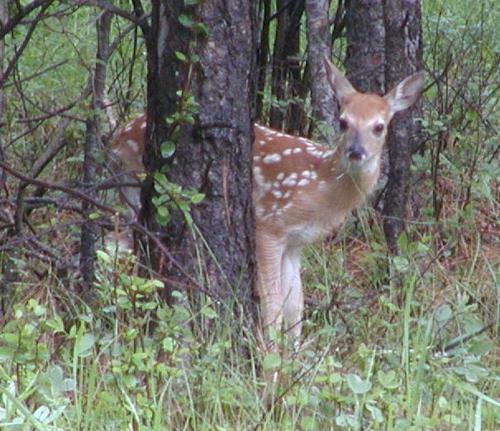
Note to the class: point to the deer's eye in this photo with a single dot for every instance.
(378, 129)
(343, 125)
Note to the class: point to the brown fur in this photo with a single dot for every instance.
(302, 190)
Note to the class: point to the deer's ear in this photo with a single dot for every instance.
(339, 83)
(406, 93)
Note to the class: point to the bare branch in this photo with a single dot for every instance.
(18, 52)
(24, 12)
(105, 5)
(38, 74)
(110, 210)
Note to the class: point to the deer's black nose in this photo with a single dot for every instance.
(355, 152)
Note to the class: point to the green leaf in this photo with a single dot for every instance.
(443, 314)
(7, 353)
(163, 212)
(388, 380)
(160, 179)
(55, 375)
(197, 198)
(200, 28)
(167, 149)
(452, 419)
(56, 324)
(168, 344)
(401, 263)
(42, 413)
(103, 256)
(83, 345)
(480, 347)
(308, 423)
(183, 206)
(185, 21)
(271, 361)
(443, 403)
(180, 56)
(403, 242)
(38, 310)
(357, 385)
(334, 378)
(375, 412)
(9, 338)
(158, 201)
(473, 373)
(208, 312)
(347, 421)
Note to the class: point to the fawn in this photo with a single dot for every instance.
(301, 190)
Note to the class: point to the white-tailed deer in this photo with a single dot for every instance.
(127, 148)
(303, 190)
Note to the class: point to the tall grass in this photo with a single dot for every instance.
(406, 342)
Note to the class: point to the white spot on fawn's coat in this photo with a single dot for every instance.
(271, 158)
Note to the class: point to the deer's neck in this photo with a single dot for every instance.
(349, 186)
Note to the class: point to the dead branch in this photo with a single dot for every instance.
(21, 14)
(152, 236)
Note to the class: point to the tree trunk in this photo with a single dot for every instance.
(213, 155)
(324, 107)
(6, 273)
(285, 80)
(263, 54)
(87, 241)
(403, 57)
(3, 20)
(365, 35)
(365, 57)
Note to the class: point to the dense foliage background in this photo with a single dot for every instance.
(406, 341)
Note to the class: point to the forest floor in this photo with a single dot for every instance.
(402, 342)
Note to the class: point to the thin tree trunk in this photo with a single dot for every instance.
(213, 155)
(366, 57)
(7, 274)
(404, 57)
(3, 20)
(263, 55)
(324, 107)
(285, 74)
(87, 248)
(365, 35)
(164, 38)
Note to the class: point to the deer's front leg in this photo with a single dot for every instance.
(291, 285)
(269, 253)
(131, 196)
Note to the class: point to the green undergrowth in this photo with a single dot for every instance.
(402, 343)
(408, 342)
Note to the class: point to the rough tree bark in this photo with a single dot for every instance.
(286, 76)
(403, 57)
(263, 53)
(387, 32)
(365, 56)
(3, 20)
(324, 107)
(92, 137)
(365, 33)
(213, 155)
(5, 267)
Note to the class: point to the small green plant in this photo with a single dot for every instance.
(171, 197)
